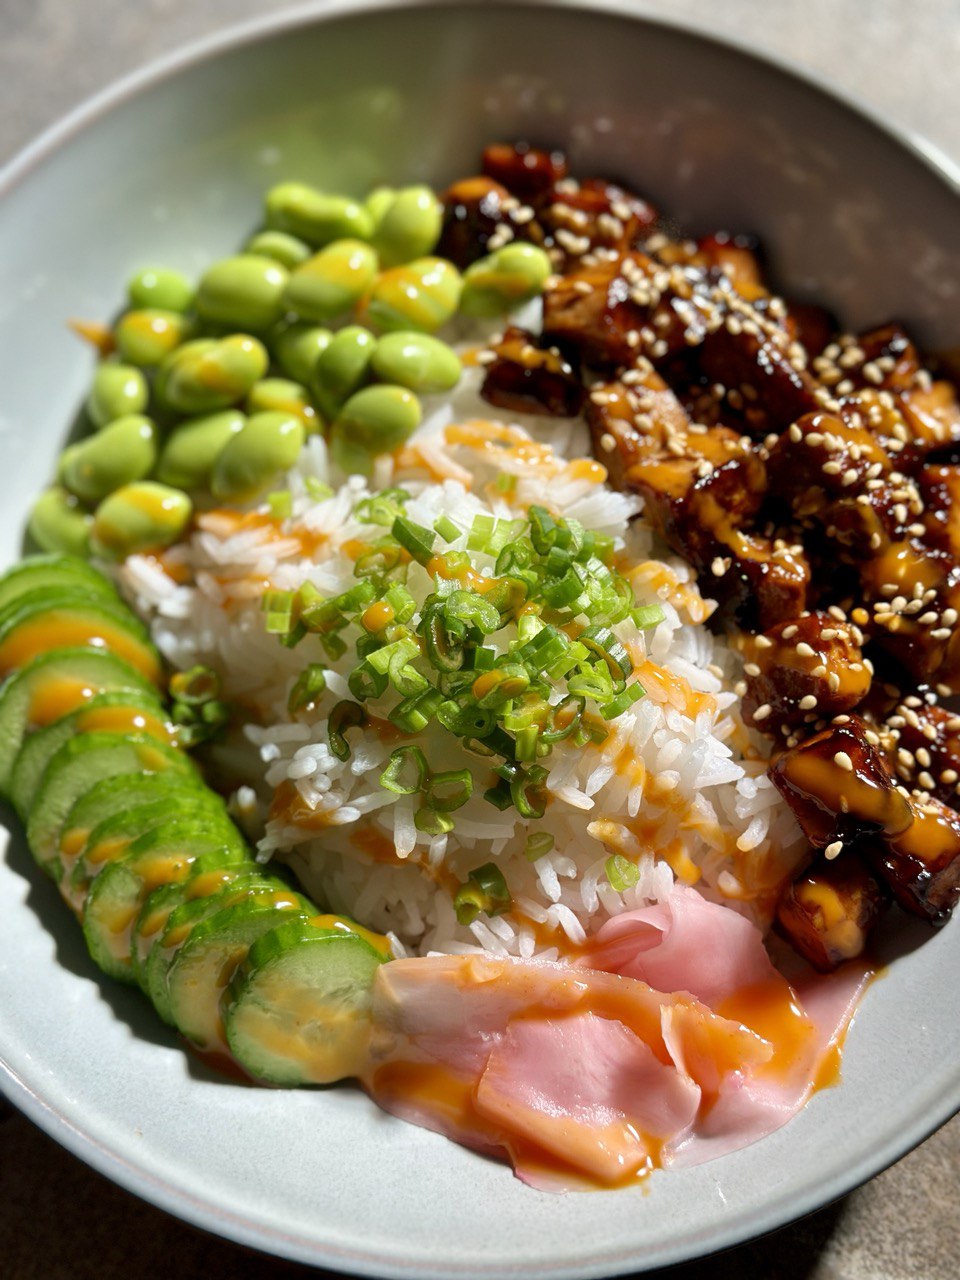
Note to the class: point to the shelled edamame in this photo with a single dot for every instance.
(322, 322)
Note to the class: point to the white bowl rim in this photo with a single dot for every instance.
(211, 1215)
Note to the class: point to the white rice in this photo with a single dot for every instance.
(678, 786)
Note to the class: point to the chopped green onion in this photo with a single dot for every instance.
(604, 644)
(403, 763)
(280, 504)
(538, 844)
(309, 685)
(499, 796)
(364, 682)
(414, 538)
(193, 687)
(398, 651)
(486, 891)
(526, 790)
(505, 482)
(345, 715)
(478, 539)
(317, 490)
(415, 713)
(446, 528)
(432, 823)
(466, 719)
(621, 872)
(449, 790)
(616, 706)
(444, 646)
(383, 508)
(646, 616)
(401, 602)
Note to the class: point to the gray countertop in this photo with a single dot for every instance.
(59, 1219)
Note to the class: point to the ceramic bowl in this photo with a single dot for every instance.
(169, 167)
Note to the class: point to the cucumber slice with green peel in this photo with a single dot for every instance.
(298, 1008)
(80, 764)
(206, 879)
(50, 572)
(116, 711)
(210, 956)
(39, 621)
(111, 839)
(162, 856)
(114, 795)
(188, 916)
(52, 685)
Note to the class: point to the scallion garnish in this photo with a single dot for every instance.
(485, 891)
(621, 872)
(538, 844)
(414, 538)
(406, 772)
(307, 689)
(345, 715)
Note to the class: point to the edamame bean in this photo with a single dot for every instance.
(160, 288)
(144, 337)
(209, 374)
(417, 361)
(144, 516)
(280, 395)
(332, 281)
(315, 216)
(191, 449)
(298, 347)
(281, 247)
(378, 202)
(409, 226)
(59, 523)
(248, 463)
(244, 292)
(124, 451)
(343, 367)
(380, 418)
(421, 295)
(118, 389)
(501, 281)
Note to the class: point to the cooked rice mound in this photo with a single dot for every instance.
(678, 786)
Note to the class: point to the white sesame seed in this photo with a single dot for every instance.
(833, 850)
(843, 761)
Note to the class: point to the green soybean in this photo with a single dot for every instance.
(161, 288)
(144, 516)
(343, 367)
(501, 281)
(288, 250)
(332, 281)
(379, 418)
(191, 449)
(245, 292)
(417, 361)
(209, 374)
(281, 395)
(421, 295)
(315, 216)
(250, 460)
(118, 389)
(409, 226)
(377, 203)
(59, 523)
(297, 348)
(122, 452)
(144, 337)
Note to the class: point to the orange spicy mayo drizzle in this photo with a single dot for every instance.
(61, 629)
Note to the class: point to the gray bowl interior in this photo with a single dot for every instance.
(175, 175)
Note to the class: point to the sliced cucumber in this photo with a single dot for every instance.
(39, 621)
(184, 918)
(206, 879)
(209, 958)
(116, 711)
(52, 685)
(297, 1011)
(162, 856)
(79, 765)
(51, 572)
(111, 839)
